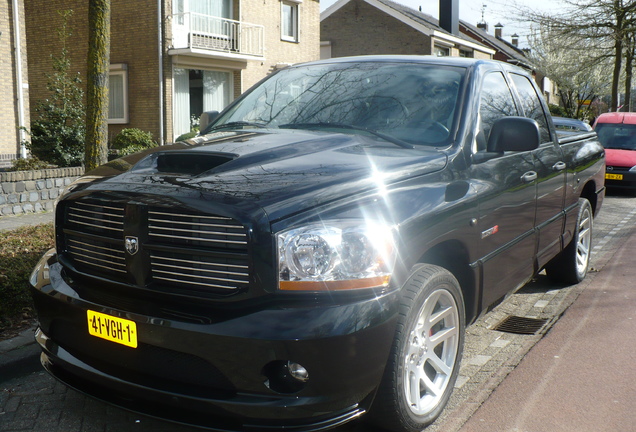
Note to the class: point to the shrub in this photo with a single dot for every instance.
(558, 111)
(186, 136)
(130, 150)
(28, 164)
(20, 250)
(58, 128)
(132, 140)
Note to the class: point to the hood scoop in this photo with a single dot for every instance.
(183, 163)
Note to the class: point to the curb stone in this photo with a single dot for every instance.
(18, 354)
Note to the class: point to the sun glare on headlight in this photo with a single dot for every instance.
(335, 256)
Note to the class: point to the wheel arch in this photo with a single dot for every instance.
(453, 256)
(589, 193)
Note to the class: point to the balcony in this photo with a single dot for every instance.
(210, 36)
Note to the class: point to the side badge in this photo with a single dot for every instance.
(490, 231)
(131, 244)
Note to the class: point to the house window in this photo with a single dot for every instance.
(202, 16)
(441, 51)
(118, 94)
(465, 53)
(197, 91)
(215, 8)
(289, 21)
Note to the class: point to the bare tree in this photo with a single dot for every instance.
(98, 62)
(575, 65)
(604, 25)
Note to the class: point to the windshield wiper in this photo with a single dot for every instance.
(385, 137)
(236, 124)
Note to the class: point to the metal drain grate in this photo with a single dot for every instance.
(521, 325)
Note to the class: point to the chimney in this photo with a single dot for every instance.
(449, 16)
(498, 30)
(515, 39)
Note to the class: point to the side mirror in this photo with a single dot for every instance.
(513, 134)
(206, 119)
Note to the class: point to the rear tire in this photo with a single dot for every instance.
(426, 353)
(571, 265)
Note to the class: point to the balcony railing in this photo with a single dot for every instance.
(197, 31)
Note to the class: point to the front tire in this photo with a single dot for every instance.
(426, 353)
(572, 264)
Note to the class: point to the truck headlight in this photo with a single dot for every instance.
(336, 255)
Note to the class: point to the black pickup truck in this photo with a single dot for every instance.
(317, 251)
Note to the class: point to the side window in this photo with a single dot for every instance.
(531, 104)
(496, 102)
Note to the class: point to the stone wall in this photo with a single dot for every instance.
(33, 191)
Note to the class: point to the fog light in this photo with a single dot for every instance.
(298, 372)
(285, 376)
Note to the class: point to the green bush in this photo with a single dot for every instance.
(186, 136)
(133, 136)
(130, 150)
(558, 111)
(132, 140)
(58, 129)
(28, 164)
(20, 251)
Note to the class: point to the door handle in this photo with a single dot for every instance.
(559, 166)
(529, 177)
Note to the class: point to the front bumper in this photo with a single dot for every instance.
(223, 375)
(620, 178)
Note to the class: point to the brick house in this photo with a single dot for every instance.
(14, 104)
(172, 59)
(357, 27)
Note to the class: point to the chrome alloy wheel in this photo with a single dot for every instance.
(584, 244)
(431, 352)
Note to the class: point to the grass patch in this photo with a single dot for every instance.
(20, 251)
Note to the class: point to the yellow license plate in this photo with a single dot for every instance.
(614, 176)
(114, 329)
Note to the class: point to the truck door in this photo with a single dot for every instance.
(550, 168)
(507, 203)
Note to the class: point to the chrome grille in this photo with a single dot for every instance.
(182, 251)
(198, 271)
(181, 229)
(197, 257)
(91, 217)
(97, 254)
(94, 236)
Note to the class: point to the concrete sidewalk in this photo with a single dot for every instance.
(12, 222)
(580, 376)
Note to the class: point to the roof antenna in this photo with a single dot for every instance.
(483, 10)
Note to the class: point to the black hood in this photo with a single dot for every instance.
(272, 169)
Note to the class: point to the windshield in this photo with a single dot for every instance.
(617, 135)
(413, 103)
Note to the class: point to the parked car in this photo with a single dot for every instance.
(617, 133)
(568, 126)
(317, 252)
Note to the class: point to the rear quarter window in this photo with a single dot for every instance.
(531, 104)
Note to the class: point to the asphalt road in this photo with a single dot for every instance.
(30, 400)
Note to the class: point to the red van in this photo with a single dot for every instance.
(617, 132)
